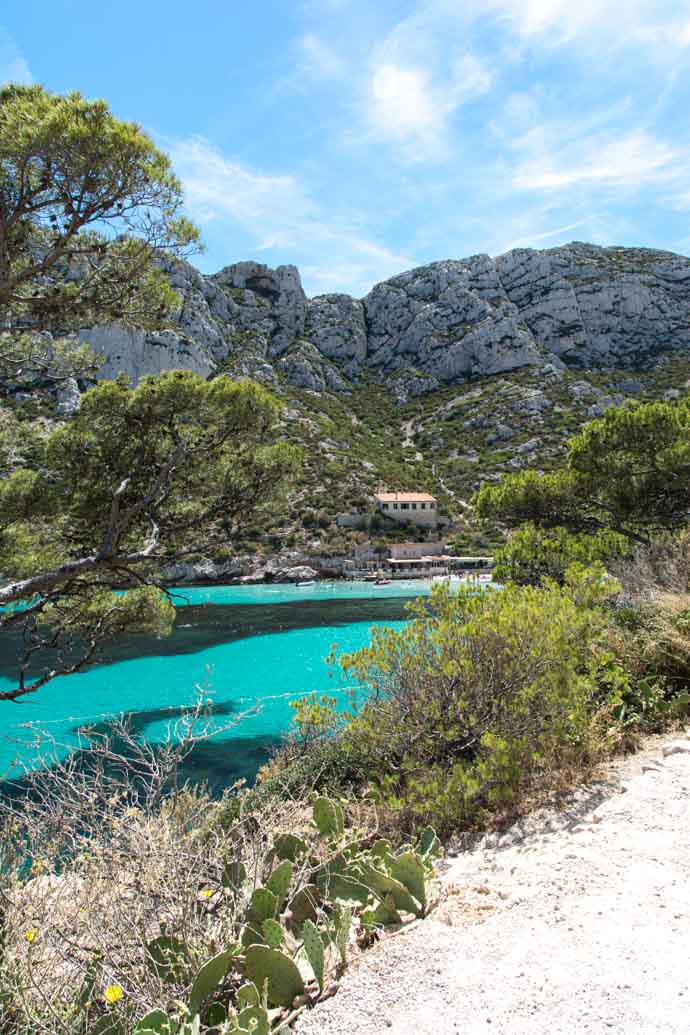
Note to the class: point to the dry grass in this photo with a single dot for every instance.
(101, 858)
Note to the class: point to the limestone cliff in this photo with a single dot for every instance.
(579, 305)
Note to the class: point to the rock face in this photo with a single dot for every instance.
(578, 305)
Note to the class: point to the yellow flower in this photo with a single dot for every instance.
(207, 893)
(30, 935)
(112, 994)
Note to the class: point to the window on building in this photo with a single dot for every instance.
(413, 505)
(422, 506)
(404, 506)
(395, 506)
(384, 506)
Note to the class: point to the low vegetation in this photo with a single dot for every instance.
(130, 905)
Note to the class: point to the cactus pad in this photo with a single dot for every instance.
(409, 870)
(313, 947)
(284, 979)
(279, 881)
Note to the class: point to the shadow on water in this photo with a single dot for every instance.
(218, 762)
(198, 627)
(221, 761)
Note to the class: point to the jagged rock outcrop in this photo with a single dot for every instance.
(579, 305)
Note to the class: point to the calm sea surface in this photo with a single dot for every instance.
(242, 645)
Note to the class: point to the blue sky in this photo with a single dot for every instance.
(357, 139)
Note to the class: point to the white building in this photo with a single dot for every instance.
(409, 508)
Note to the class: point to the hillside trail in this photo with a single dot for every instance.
(574, 920)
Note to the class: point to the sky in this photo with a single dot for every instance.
(357, 139)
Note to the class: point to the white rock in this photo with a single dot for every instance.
(677, 747)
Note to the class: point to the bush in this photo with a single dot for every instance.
(533, 553)
(129, 904)
(480, 696)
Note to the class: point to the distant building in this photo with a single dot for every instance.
(409, 508)
(403, 551)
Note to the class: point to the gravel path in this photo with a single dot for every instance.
(572, 921)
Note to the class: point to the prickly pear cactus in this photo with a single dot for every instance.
(328, 817)
(429, 844)
(156, 1022)
(284, 979)
(303, 905)
(255, 1014)
(167, 957)
(216, 1015)
(382, 850)
(409, 870)
(209, 977)
(273, 934)
(313, 947)
(386, 913)
(290, 847)
(263, 905)
(343, 923)
(383, 885)
(248, 995)
(279, 881)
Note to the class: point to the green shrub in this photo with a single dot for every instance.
(478, 697)
(533, 553)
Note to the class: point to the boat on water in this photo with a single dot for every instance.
(383, 582)
(309, 582)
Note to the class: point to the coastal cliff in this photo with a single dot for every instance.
(580, 305)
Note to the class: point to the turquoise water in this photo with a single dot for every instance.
(242, 646)
(284, 594)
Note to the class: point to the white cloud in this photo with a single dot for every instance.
(279, 215)
(632, 159)
(14, 68)
(531, 239)
(606, 24)
(405, 105)
(318, 59)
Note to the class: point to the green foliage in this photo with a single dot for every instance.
(138, 475)
(279, 881)
(328, 817)
(408, 869)
(533, 553)
(83, 193)
(627, 472)
(290, 847)
(167, 957)
(156, 1022)
(473, 699)
(313, 947)
(209, 977)
(275, 967)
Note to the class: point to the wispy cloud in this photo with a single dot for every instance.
(281, 219)
(532, 239)
(404, 104)
(618, 160)
(603, 24)
(318, 59)
(14, 68)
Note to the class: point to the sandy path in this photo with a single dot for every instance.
(574, 922)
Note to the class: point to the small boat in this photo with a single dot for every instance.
(383, 582)
(309, 582)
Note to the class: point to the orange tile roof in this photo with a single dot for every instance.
(405, 497)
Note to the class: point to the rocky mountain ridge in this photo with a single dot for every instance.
(578, 305)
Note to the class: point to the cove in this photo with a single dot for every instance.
(242, 645)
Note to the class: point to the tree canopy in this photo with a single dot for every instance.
(140, 476)
(89, 212)
(88, 205)
(627, 472)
